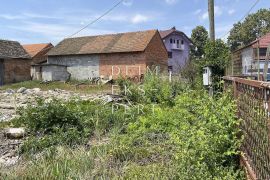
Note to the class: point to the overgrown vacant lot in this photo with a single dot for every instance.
(161, 131)
(84, 87)
(19, 95)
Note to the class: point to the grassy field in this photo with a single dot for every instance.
(84, 87)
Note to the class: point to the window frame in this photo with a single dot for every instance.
(170, 54)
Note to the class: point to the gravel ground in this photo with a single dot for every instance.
(9, 150)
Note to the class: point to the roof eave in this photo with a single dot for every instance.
(83, 54)
(180, 32)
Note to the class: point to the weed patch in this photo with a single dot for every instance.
(189, 135)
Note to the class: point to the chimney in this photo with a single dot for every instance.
(173, 28)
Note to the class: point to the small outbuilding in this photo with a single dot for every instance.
(15, 62)
(124, 54)
(50, 72)
(38, 53)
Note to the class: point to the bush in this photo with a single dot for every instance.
(69, 123)
(153, 90)
(197, 138)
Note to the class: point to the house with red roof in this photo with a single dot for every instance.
(38, 54)
(110, 56)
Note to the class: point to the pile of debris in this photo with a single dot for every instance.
(11, 100)
(10, 141)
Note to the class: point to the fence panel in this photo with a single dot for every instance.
(254, 109)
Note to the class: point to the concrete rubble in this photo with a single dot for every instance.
(14, 133)
(9, 150)
(11, 100)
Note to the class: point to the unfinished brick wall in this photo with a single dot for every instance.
(135, 64)
(122, 64)
(16, 70)
(156, 53)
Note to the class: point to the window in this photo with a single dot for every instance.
(170, 68)
(170, 54)
(182, 42)
(177, 43)
(174, 41)
(171, 41)
(263, 51)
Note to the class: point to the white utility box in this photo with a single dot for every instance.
(207, 73)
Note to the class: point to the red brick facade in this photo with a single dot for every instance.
(16, 70)
(134, 64)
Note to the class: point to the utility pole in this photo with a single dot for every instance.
(211, 14)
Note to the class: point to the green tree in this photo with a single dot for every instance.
(199, 38)
(217, 56)
(255, 25)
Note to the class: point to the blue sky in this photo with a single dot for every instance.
(39, 21)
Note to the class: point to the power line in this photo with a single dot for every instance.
(257, 1)
(100, 17)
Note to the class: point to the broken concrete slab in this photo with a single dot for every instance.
(21, 90)
(14, 133)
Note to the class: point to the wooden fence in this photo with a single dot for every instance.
(253, 102)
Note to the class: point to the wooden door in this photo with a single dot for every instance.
(1, 72)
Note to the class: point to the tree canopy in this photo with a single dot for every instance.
(255, 25)
(217, 56)
(199, 38)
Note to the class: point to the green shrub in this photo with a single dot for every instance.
(197, 138)
(47, 118)
(69, 123)
(154, 89)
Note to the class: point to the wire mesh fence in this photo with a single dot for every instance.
(253, 103)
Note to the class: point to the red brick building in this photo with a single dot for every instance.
(123, 54)
(14, 62)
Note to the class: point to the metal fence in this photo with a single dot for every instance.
(253, 102)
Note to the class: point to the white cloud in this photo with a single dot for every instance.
(139, 18)
(204, 16)
(198, 11)
(231, 11)
(10, 17)
(26, 15)
(222, 29)
(119, 18)
(57, 32)
(59, 24)
(171, 1)
(128, 2)
(218, 12)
